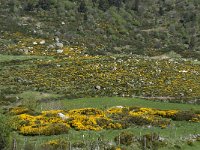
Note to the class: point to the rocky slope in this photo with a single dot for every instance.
(106, 27)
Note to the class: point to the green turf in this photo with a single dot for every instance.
(172, 135)
(37, 95)
(20, 57)
(106, 102)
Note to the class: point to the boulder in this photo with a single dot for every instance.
(98, 87)
(59, 51)
(62, 116)
(42, 42)
(60, 45)
(35, 43)
(58, 33)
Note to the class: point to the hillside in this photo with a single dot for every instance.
(107, 27)
(99, 74)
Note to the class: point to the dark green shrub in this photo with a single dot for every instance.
(148, 140)
(82, 7)
(125, 138)
(103, 5)
(137, 120)
(102, 122)
(190, 142)
(20, 110)
(4, 131)
(29, 146)
(183, 115)
(177, 146)
(55, 145)
(56, 129)
(79, 144)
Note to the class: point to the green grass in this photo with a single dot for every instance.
(172, 135)
(106, 102)
(20, 57)
(37, 95)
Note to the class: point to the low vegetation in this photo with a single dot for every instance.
(113, 127)
(99, 74)
(4, 131)
(49, 122)
(126, 76)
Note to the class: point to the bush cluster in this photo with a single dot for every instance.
(160, 79)
(4, 131)
(50, 123)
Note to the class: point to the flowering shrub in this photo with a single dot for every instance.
(50, 123)
(150, 111)
(117, 76)
(115, 110)
(87, 112)
(38, 46)
(19, 110)
(40, 125)
(81, 122)
(90, 119)
(107, 123)
(85, 119)
(51, 129)
(55, 144)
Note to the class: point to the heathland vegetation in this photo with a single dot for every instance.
(99, 74)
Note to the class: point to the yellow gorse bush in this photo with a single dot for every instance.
(19, 110)
(82, 122)
(115, 110)
(46, 123)
(125, 76)
(49, 122)
(52, 142)
(55, 144)
(85, 119)
(117, 75)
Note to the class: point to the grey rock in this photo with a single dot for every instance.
(59, 51)
(50, 46)
(58, 33)
(42, 42)
(60, 45)
(98, 87)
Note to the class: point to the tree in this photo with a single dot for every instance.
(116, 3)
(136, 5)
(94, 2)
(103, 5)
(161, 11)
(44, 4)
(82, 7)
(30, 5)
(12, 5)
